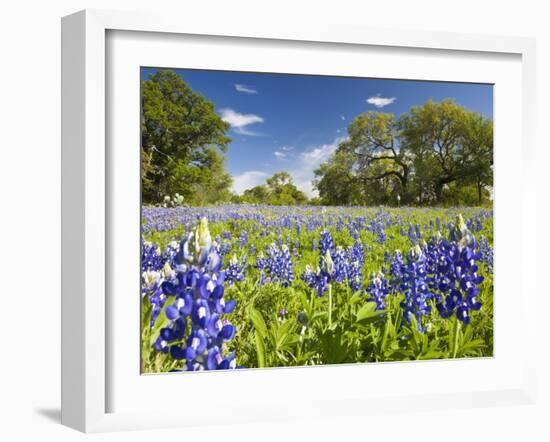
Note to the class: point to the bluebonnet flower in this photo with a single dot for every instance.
(195, 289)
(479, 225)
(412, 234)
(326, 265)
(487, 254)
(243, 238)
(309, 276)
(415, 287)
(321, 281)
(170, 252)
(151, 259)
(261, 266)
(357, 253)
(318, 280)
(455, 274)
(326, 243)
(460, 233)
(355, 276)
(381, 235)
(340, 265)
(276, 267)
(463, 294)
(216, 361)
(225, 247)
(151, 287)
(261, 262)
(279, 265)
(235, 271)
(396, 270)
(325, 273)
(378, 290)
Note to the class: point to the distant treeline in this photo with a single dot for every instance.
(438, 153)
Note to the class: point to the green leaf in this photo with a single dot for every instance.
(368, 313)
(283, 335)
(260, 349)
(258, 322)
(432, 354)
(472, 348)
(389, 333)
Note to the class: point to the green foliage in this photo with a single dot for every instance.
(438, 153)
(182, 139)
(336, 182)
(279, 190)
(449, 145)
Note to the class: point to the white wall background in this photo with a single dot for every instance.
(30, 214)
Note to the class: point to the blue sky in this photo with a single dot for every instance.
(294, 122)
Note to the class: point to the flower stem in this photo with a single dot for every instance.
(330, 305)
(457, 331)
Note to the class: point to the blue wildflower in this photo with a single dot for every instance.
(355, 276)
(235, 271)
(487, 254)
(196, 292)
(378, 290)
(415, 287)
(340, 265)
(326, 243)
(279, 265)
(151, 259)
(243, 238)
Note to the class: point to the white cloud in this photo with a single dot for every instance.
(310, 160)
(302, 173)
(342, 117)
(245, 131)
(284, 152)
(321, 153)
(380, 102)
(248, 180)
(239, 122)
(245, 89)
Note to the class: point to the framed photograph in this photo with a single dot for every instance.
(268, 222)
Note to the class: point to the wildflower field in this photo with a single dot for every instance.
(238, 286)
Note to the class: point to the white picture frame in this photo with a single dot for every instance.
(86, 224)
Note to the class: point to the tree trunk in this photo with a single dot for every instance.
(438, 190)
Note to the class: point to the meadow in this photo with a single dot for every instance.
(238, 286)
